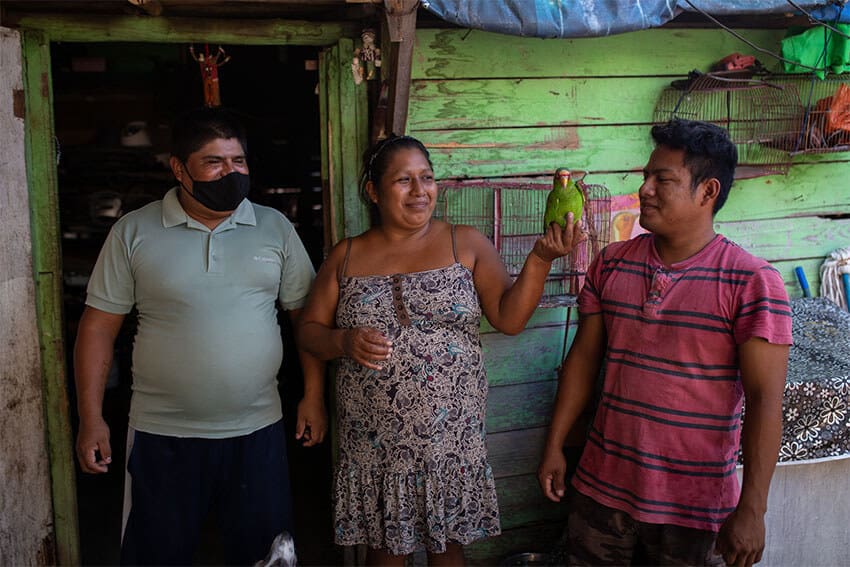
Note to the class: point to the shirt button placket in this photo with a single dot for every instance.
(398, 303)
(215, 263)
(210, 253)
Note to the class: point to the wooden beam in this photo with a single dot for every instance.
(47, 268)
(401, 27)
(344, 138)
(90, 28)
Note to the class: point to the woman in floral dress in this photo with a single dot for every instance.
(400, 306)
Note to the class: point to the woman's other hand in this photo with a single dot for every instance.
(557, 241)
(367, 346)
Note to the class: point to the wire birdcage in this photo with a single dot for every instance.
(510, 214)
(824, 125)
(759, 115)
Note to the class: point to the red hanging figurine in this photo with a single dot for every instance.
(209, 72)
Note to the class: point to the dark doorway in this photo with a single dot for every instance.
(113, 104)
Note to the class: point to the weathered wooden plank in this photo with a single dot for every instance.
(88, 28)
(401, 28)
(335, 215)
(537, 537)
(790, 238)
(458, 53)
(531, 356)
(521, 502)
(44, 219)
(488, 103)
(26, 514)
(520, 406)
(538, 150)
(543, 317)
(808, 189)
(513, 453)
(353, 139)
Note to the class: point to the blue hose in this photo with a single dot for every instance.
(804, 283)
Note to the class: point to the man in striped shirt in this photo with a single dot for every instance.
(687, 324)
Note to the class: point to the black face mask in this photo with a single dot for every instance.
(223, 194)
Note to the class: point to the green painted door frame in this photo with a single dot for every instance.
(344, 134)
(344, 118)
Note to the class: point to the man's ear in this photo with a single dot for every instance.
(710, 191)
(176, 168)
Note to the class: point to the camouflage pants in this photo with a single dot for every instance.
(599, 535)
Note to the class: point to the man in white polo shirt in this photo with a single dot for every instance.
(205, 268)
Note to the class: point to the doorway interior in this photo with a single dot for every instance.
(113, 103)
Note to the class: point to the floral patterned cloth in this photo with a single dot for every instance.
(412, 471)
(816, 408)
(816, 423)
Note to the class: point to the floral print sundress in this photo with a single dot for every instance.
(412, 471)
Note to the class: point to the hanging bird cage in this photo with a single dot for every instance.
(759, 115)
(510, 214)
(824, 124)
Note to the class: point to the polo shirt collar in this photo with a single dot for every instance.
(173, 213)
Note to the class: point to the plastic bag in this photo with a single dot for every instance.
(832, 114)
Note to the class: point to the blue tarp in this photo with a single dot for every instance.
(591, 18)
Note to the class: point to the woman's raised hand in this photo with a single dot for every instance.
(557, 241)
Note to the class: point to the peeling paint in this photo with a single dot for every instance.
(45, 85)
(460, 146)
(18, 103)
(558, 139)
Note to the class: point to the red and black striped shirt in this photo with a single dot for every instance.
(664, 443)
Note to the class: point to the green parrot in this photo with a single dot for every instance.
(564, 198)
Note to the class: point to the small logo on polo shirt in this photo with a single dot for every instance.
(265, 259)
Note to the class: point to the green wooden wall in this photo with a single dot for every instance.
(496, 106)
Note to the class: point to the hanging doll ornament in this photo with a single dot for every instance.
(367, 58)
(209, 72)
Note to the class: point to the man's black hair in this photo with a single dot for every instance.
(709, 152)
(196, 128)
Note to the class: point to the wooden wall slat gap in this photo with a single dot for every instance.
(551, 77)
(572, 323)
(495, 386)
(509, 476)
(536, 126)
(537, 174)
(810, 160)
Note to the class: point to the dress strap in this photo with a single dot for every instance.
(454, 244)
(341, 273)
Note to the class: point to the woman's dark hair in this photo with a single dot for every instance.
(377, 159)
(709, 153)
(196, 128)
